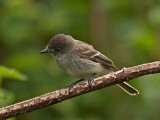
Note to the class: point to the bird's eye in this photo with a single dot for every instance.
(57, 50)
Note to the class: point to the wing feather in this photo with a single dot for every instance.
(88, 52)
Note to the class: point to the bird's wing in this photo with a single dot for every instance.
(88, 52)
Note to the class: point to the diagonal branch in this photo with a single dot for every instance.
(61, 95)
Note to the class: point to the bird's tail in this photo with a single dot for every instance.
(128, 88)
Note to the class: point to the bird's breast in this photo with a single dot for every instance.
(79, 67)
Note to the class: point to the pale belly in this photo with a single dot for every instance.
(81, 68)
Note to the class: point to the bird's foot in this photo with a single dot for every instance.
(90, 80)
(71, 86)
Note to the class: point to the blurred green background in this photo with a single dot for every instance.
(127, 31)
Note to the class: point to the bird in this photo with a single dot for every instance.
(82, 61)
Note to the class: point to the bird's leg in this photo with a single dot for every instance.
(90, 80)
(71, 86)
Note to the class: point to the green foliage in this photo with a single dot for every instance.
(131, 36)
(11, 73)
(154, 16)
(7, 97)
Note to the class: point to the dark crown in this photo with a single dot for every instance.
(59, 41)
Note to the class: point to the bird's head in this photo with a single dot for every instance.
(59, 45)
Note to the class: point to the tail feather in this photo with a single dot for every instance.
(128, 88)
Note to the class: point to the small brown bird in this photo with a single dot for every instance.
(81, 60)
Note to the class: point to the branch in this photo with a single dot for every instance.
(58, 96)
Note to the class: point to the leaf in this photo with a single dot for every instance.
(11, 73)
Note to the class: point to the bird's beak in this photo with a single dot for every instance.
(44, 51)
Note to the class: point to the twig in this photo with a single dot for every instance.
(61, 95)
